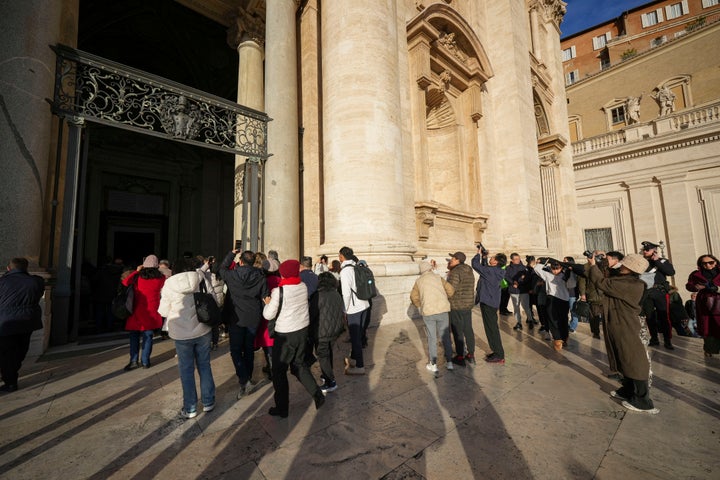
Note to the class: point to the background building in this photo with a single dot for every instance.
(645, 134)
(637, 30)
(403, 129)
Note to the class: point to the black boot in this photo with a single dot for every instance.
(668, 342)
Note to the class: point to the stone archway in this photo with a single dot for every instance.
(449, 67)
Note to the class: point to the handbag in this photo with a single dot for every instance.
(123, 303)
(581, 309)
(271, 323)
(207, 309)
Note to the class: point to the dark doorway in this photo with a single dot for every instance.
(132, 247)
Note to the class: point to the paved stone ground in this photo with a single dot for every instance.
(543, 415)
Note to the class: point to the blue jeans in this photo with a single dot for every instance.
(189, 353)
(242, 351)
(573, 318)
(147, 344)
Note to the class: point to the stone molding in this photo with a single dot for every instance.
(427, 212)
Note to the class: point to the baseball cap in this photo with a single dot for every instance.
(459, 255)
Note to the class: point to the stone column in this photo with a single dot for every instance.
(247, 36)
(365, 205)
(548, 167)
(27, 78)
(281, 229)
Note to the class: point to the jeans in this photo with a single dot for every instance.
(573, 318)
(147, 344)
(192, 352)
(356, 324)
(462, 330)
(521, 300)
(434, 324)
(242, 351)
(492, 330)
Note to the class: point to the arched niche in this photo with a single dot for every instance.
(448, 67)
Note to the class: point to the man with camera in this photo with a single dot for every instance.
(655, 302)
(491, 274)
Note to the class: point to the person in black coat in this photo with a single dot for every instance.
(20, 315)
(246, 287)
(331, 323)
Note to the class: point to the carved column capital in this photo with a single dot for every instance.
(551, 10)
(246, 26)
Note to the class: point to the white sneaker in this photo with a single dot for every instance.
(208, 408)
(432, 367)
(631, 407)
(449, 366)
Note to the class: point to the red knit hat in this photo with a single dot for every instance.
(290, 269)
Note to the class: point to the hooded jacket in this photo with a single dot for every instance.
(246, 288)
(178, 306)
(430, 294)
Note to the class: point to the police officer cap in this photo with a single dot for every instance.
(649, 245)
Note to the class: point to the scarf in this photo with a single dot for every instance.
(289, 281)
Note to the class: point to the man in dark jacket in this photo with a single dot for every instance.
(488, 296)
(461, 277)
(247, 288)
(516, 275)
(20, 315)
(656, 301)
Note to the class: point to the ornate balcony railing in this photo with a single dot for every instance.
(93, 89)
(688, 119)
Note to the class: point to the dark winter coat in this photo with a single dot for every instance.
(488, 287)
(707, 303)
(20, 294)
(246, 287)
(623, 295)
(332, 319)
(146, 301)
(462, 279)
(515, 273)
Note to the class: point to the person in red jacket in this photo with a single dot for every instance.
(147, 281)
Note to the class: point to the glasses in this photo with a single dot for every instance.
(711, 262)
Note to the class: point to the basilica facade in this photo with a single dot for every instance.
(404, 129)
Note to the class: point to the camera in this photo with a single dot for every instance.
(588, 254)
(482, 249)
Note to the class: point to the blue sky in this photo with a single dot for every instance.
(582, 14)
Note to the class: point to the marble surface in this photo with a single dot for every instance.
(542, 415)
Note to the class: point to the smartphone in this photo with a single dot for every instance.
(238, 244)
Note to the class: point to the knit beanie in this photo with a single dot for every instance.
(151, 261)
(290, 269)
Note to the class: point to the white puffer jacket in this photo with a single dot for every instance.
(178, 306)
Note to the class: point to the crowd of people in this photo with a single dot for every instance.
(629, 296)
(295, 311)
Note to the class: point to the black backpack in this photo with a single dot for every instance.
(364, 282)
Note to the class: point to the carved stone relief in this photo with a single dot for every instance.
(246, 26)
(447, 40)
